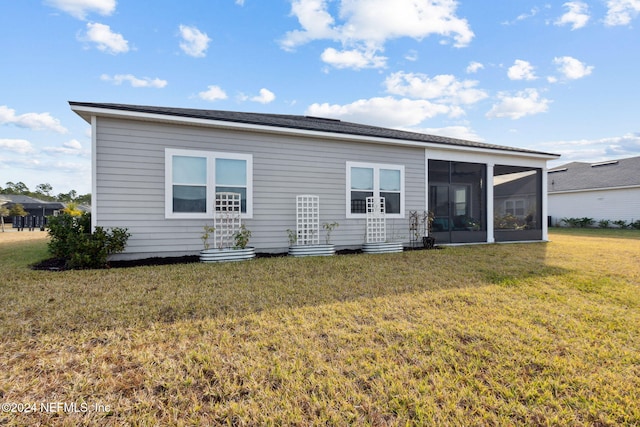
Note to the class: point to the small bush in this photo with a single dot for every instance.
(604, 223)
(621, 223)
(72, 240)
(571, 222)
(586, 222)
(635, 224)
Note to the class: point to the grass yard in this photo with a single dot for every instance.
(515, 334)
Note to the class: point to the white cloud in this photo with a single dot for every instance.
(80, 8)
(118, 79)
(621, 12)
(366, 25)
(385, 112)
(524, 103)
(521, 70)
(315, 20)
(20, 146)
(577, 15)
(213, 93)
(595, 150)
(72, 148)
(73, 144)
(474, 67)
(445, 88)
(355, 59)
(412, 55)
(523, 16)
(105, 39)
(572, 68)
(34, 121)
(240, 2)
(194, 42)
(265, 97)
(458, 132)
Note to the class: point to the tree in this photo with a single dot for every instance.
(18, 210)
(44, 189)
(84, 199)
(72, 209)
(3, 212)
(63, 198)
(17, 188)
(68, 197)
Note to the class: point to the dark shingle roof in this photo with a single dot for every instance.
(28, 202)
(584, 176)
(303, 123)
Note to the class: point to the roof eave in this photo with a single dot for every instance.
(584, 190)
(87, 112)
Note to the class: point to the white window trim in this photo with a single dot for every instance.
(211, 157)
(515, 203)
(376, 186)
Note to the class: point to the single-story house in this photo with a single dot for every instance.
(37, 210)
(156, 171)
(33, 206)
(607, 190)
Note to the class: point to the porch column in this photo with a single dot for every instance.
(543, 190)
(490, 236)
(426, 183)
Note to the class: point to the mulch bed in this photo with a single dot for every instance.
(58, 264)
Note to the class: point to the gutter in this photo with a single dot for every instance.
(87, 112)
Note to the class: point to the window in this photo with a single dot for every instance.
(370, 179)
(514, 207)
(193, 177)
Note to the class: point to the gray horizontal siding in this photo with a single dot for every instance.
(613, 205)
(130, 183)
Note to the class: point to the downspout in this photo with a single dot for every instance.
(490, 233)
(94, 173)
(544, 191)
(426, 187)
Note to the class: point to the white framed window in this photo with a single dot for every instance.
(514, 207)
(374, 179)
(192, 177)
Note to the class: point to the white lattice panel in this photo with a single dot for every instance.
(308, 220)
(376, 220)
(227, 218)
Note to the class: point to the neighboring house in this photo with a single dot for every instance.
(603, 191)
(156, 171)
(33, 206)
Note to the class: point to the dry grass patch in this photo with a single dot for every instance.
(522, 334)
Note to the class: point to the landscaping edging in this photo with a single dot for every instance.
(227, 254)
(382, 248)
(311, 250)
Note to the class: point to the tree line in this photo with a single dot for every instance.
(45, 192)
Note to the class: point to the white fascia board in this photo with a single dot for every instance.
(586, 190)
(85, 112)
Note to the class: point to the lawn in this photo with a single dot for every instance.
(514, 334)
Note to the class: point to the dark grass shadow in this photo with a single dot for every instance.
(170, 292)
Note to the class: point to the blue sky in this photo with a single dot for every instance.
(559, 77)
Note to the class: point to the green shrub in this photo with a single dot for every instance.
(621, 223)
(579, 222)
(585, 222)
(72, 241)
(571, 222)
(635, 224)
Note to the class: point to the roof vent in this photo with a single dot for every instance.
(322, 118)
(608, 162)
